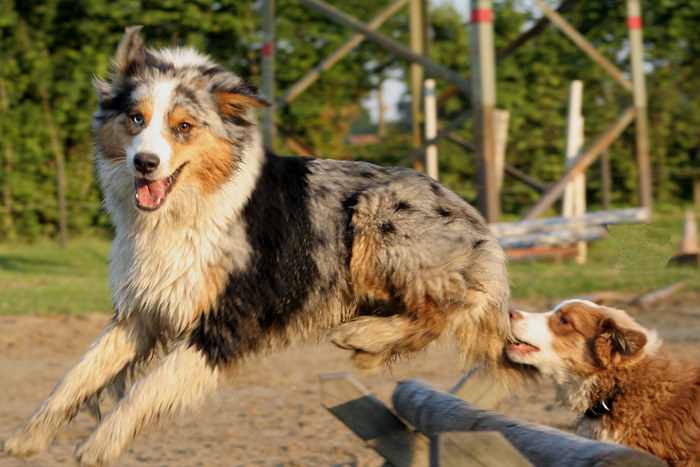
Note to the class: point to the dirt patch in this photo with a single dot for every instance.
(270, 413)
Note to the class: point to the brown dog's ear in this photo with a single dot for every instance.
(236, 101)
(616, 343)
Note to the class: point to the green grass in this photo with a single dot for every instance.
(43, 279)
(631, 259)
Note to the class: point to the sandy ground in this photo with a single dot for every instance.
(270, 413)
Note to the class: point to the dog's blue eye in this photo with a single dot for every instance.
(137, 118)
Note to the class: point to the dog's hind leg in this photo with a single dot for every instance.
(182, 380)
(107, 356)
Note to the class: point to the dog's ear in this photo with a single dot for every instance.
(131, 53)
(129, 59)
(617, 343)
(235, 101)
(105, 91)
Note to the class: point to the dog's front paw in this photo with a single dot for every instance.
(26, 441)
(91, 453)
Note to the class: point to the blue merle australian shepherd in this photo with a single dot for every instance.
(224, 250)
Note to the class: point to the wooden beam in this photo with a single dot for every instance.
(433, 411)
(394, 47)
(308, 79)
(600, 218)
(373, 422)
(582, 162)
(563, 236)
(475, 448)
(581, 42)
(537, 29)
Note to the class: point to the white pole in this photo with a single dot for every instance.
(431, 156)
(500, 125)
(574, 202)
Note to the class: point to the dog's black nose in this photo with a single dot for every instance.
(145, 162)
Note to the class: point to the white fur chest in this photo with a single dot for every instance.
(172, 268)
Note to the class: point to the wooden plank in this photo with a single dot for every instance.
(388, 44)
(431, 411)
(574, 200)
(500, 124)
(582, 162)
(655, 297)
(600, 218)
(584, 45)
(479, 388)
(554, 237)
(430, 111)
(308, 79)
(477, 448)
(373, 422)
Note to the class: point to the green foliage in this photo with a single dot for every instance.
(631, 259)
(56, 46)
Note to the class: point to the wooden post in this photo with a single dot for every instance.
(431, 154)
(582, 162)
(574, 200)
(500, 125)
(433, 411)
(634, 25)
(417, 73)
(484, 104)
(605, 180)
(268, 71)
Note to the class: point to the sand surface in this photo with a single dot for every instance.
(270, 413)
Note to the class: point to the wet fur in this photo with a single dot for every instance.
(617, 376)
(250, 252)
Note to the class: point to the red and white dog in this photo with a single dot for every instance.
(624, 384)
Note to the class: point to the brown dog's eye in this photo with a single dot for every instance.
(563, 320)
(184, 127)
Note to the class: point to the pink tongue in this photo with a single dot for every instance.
(150, 192)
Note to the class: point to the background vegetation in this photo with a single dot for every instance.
(49, 50)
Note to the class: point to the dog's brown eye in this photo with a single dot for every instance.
(563, 320)
(184, 127)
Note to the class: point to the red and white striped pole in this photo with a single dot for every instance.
(483, 66)
(634, 26)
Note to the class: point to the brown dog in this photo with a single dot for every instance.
(624, 384)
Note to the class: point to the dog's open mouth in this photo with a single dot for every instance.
(151, 194)
(522, 348)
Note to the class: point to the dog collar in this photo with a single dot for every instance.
(602, 407)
